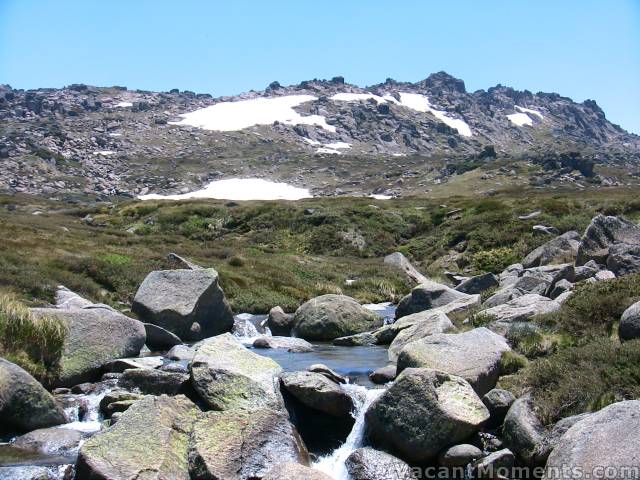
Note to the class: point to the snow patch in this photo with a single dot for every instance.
(123, 105)
(528, 110)
(338, 145)
(520, 119)
(421, 103)
(240, 189)
(360, 97)
(233, 116)
(104, 153)
(378, 196)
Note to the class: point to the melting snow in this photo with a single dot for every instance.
(358, 97)
(333, 148)
(520, 119)
(123, 105)
(421, 103)
(378, 196)
(231, 116)
(338, 145)
(240, 189)
(528, 110)
(105, 153)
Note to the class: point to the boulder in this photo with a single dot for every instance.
(418, 326)
(242, 444)
(510, 275)
(478, 284)
(49, 441)
(227, 376)
(629, 328)
(474, 355)
(494, 466)
(279, 322)
(181, 352)
(502, 296)
(523, 432)
(461, 306)
(498, 403)
(426, 296)
(357, 340)
(609, 437)
(519, 309)
(624, 259)
(562, 249)
(557, 432)
(94, 337)
(121, 364)
(66, 299)
(294, 471)
(383, 375)
(149, 440)
(602, 233)
(369, 464)
(459, 455)
(561, 287)
(399, 261)
(318, 392)
(423, 412)
(331, 316)
(160, 339)
(153, 382)
(290, 344)
(188, 303)
(327, 372)
(25, 404)
(586, 271)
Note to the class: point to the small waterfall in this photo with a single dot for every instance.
(90, 420)
(333, 464)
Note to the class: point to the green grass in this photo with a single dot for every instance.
(35, 344)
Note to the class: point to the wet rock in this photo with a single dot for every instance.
(474, 355)
(562, 249)
(629, 328)
(291, 344)
(188, 303)
(417, 326)
(426, 296)
(478, 284)
(227, 376)
(608, 437)
(498, 403)
(95, 337)
(149, 440)
(160, 339)
(383, 375)
(243, 444)
(318, 392)
(523, 432)
(423, 412)
(24, 404)
(279, 322)
(459, 455)
(370, 464)
(331, 316)
(114, 397)
(602, 233)
(49, 441)
(359, 339)
(327, 372)
(294, 471)
(153, 382)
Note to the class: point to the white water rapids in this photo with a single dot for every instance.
(333, 463)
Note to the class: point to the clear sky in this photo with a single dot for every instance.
(578, 48)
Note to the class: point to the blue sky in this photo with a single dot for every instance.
(578, 48)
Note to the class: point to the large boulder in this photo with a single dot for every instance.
(189, 303)
(95, 336)
(150, 441)
(524, 434)
(318, 392)
(602, 233)
(423, 412)
(153, 382)
(417, 326)
(474, 355)
(629, 328)
(49, 441)
(66, 299)
(279, 322)
(478, 284)
(520, 309)
(426, 296)
(331, 316)
(604, 444)
(624, 259)
(243, 444)
(562, 249)
(502, 296)
(291, 344)
(294, 471)
(498, 403)
(25, 404)
(160, 339)
(227, 376)
(369, 464)
(459, 455)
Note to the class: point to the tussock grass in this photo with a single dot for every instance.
(35, 344)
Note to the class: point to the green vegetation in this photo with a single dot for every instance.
(34, 343)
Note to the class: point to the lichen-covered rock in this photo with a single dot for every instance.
(25, 404)
(150, 440)
(95, 336)
(189, 303)
(474, 355)
(226, 375)
(153, 382)
(331, 316)
(523, 432)
(609, 438)
(602, 233)
(423, 412)
(318, 392)
(243, 444)
(369, 464)
(629, 328)
(426, 296)
(520, 309)
(417, 326)
(562, 249)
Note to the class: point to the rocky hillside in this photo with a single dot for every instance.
(394, 138)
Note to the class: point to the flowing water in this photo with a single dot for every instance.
(333, 464)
